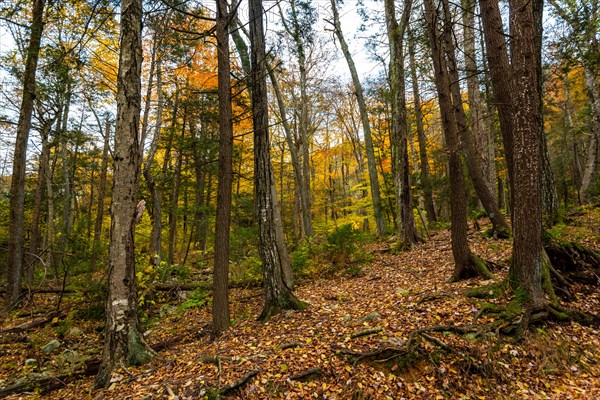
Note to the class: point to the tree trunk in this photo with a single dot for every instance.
(101, 195)
(466, 264)
(501, 77)
(484, 144)
(398, 138)
(173, 217)
(272, 249)
(123, 342)
(153, 186)
(425, 177)
(305, 214)
(592, 153)
(223, 218)
(364, 116)
(43, 166)
(526, 267)
(17, 184)
(499, 225)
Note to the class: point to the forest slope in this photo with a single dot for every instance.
(356, 340)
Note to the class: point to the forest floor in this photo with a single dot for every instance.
(346, 344)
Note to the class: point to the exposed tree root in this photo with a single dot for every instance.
(307, 375)
(237, 384)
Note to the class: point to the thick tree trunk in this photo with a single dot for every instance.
(364, 117)
(526, 267)
(425, 176)
(223, 218)
(485, 195)
(466, 264)
(399, 133)
(272, 249)
(17, 184)
(123, 342)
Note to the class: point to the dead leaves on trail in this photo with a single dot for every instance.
(313, 353)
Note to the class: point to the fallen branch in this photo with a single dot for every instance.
(365, 332)
(290, 345)
(52, 383)
(33, 324)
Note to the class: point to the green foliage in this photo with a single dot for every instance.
(343, 247)
(248, 270)
(197, 299)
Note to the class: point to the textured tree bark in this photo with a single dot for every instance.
(16, 235)
(124, 343)
(499, 225)
(425, 177)
(398, 138)
(272, 249)
(483, 136)
(223, 218)
(364, 117)
(500, 74)
(466, 264)
(526, 267)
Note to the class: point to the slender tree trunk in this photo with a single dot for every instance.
(501, 76)
(43, 166)
(124, 342)
(17, 185)
(408, 232)
(173, 213)
(101, 196)
(484, 145)
(500, 226)
(272, 249)
(305, 214)
(425, 177)
(223, 219)
(364, 117)
(592, 153)
(153, 186)
(466, 264)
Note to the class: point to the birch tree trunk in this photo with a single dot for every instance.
(124, 343)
